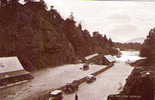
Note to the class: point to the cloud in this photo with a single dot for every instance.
(119, 18)
(129, 19)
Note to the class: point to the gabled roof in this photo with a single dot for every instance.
(110, 58)
(56, 92)
(13, 74)
(91, 56)
(10, 64)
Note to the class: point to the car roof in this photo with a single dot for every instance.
(90, 75)
(55, 92)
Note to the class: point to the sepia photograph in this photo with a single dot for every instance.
(77, 49)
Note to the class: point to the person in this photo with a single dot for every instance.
(76, 96)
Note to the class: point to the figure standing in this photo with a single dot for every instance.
(76, 96)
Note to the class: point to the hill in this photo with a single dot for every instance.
(42, 38)
(136, 40)
(148, 48)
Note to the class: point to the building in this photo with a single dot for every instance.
(103, 60)
(107, 60)
(12, 72)
(110, 58)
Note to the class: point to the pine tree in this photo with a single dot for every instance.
(14, 3)
(3, 3)
(42, 4)
(110, 42)
(71, 16)
(105, 38)
(70, 22)
(80, 26)
(148, 48)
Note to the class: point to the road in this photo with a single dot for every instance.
(109, 82)
(46, 79)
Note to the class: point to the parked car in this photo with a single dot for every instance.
(75, 83)
(111, 64)
(56, 95)
(85, 67)
(118, 56)
(90, 78)
(71, 87)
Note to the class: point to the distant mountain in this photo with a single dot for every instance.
(139, 40)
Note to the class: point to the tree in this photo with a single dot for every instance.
(13, 3)
(55, 16)
(42, 4)
(148, 48)
(71, 16)
(70, 22)
(3, 3)
(110, 42)
(105, 38)
(80, 26)
(27, 1)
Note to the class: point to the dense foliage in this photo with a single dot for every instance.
(42, 38)
(148, 47)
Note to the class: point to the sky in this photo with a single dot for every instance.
(120, 20)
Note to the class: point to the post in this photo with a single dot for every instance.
(76, 96)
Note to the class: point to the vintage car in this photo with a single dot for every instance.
(111, 64)
(118, 56)
(90, 78)
(85, 67)
(71, 87)
(56, 95)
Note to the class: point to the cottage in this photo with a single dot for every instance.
(12, 72)
(108, 59)
(104, 60)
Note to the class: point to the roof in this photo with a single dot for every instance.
(110, 58)
(10, 64)
(91, 56)
(118, 49)
(55, 92)
(13, 74)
